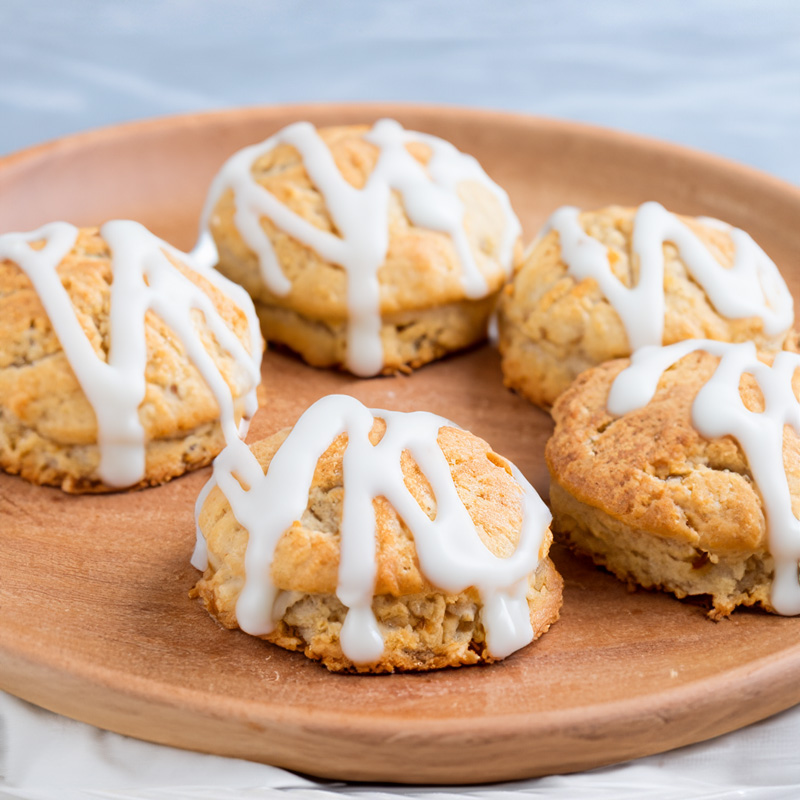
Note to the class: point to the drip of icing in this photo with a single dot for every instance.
(718, 410)
(451, 554)
(361, 216)
(753, 287)
(144, 279)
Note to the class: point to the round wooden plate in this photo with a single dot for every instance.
(95, 621)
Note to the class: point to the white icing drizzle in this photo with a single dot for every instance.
(361, 216)
(752, 287)
(718, 410)
(144, 279)
(450, 552)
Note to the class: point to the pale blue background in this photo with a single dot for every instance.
(720, 75)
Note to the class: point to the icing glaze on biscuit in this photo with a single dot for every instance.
(753, 287)
(450, 552)
(361, 217)
(718, 410)
(144, 278)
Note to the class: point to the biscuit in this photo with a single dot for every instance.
(433, 585)
(675, 488)
(115, 361)
(598, 285)
(372, 249)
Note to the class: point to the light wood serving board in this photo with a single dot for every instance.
(95, 621)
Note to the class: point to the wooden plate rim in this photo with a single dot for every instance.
(372, 110)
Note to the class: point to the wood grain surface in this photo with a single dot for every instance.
(95, 621)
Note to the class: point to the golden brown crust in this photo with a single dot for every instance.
(421, 273)
(410, 338)
(552, 326)
(48, 430)
(654, 501)
(424, 628)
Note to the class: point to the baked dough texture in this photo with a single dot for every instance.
(423, 627)
(554, 326)
(48, 429)
(649, 498)
(425, 312)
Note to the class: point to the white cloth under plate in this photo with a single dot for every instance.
(47, 757)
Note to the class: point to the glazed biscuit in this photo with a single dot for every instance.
(104, 391)
(598, 285)
(372, 249)
(407, 607)
(670, 489)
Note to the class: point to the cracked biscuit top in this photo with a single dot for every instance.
(119, 363)
(598, 285)
(352, 226)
